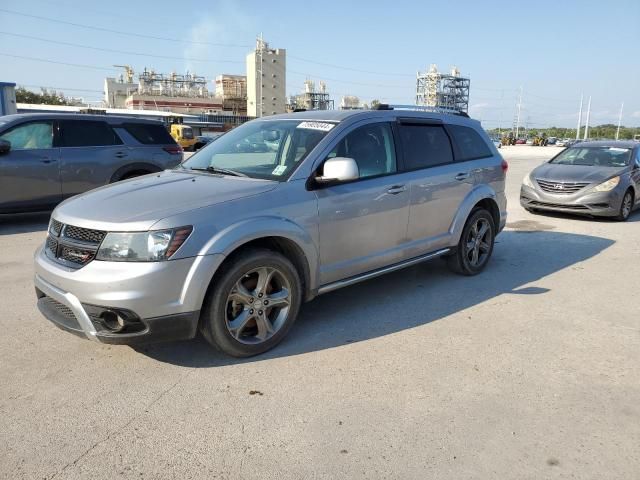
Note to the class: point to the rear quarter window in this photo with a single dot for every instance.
(468, 144)
(149, 134)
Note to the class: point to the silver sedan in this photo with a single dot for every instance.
(593, 178)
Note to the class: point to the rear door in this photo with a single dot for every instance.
(91, 153)
(437, 183)
(150, 143)
(29, 172)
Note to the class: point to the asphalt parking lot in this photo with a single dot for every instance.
(530, 370)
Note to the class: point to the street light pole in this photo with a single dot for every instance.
(619, 121)
(586, 126)
(579, 117)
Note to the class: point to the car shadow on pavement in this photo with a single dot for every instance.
(409, 298)
(24, 223)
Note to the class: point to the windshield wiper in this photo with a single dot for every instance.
(223, 171)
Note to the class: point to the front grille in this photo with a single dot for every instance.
(76, 255)
(561, 188)
(84, 234)
(558, 205)
(55, 227)
(61, 308)
(72, 246)
(52, 245)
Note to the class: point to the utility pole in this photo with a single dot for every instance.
(579, 117)
(619, 121)
(586, 126)
(518, 116)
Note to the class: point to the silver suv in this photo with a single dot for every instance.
(268, 216)
(45, 158)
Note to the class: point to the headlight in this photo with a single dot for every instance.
(608, 185)
(142, 246)
(527, 181)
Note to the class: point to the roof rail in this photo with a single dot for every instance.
(426, 108)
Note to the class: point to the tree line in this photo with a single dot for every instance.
(605, 131)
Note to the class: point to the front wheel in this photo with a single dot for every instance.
(625, 207)
(252, 304)
(476, 244)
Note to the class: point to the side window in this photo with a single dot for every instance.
(149, 134)
(83, 133)
(29, 136)
(425, 146)
(469, 143)
(371, 146)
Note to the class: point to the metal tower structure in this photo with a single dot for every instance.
(440, 90)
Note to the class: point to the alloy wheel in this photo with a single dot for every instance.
(478, 243)
(626, 205)
(258, 305)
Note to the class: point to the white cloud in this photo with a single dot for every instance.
(636, 114)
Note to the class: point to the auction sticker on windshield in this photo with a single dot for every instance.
(322, 126)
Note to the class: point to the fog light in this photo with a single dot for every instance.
(113, 321)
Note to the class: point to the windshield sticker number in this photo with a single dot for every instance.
(279, 170)
(322, 126)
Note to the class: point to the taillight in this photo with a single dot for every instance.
(504, 165)
(173, 149)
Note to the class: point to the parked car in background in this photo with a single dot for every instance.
(552, 140)
(183, 135)
(235, 239)
(562, 142)
(521, 141)
(204, 140)
(45, 158)
(594, 178)
(497, 142)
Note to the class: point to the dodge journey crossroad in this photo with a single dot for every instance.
(232, 242)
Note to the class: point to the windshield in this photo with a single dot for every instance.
(269, 149)
(594, 157)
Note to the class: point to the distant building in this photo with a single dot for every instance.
(442, 91)
(266, 81)
(312, 99)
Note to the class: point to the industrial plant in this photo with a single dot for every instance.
(443, 91)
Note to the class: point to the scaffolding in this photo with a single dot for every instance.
(172, 85)
(312, 99)
(440, 90)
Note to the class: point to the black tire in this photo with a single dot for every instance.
(460, 261)
(217, 312)
(626, 206)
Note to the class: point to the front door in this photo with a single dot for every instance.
(29, 172)
(363, 223)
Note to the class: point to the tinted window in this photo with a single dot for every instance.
(30, 136)
(82, 133)
(594, 156)
(149, 134)
(371, 147)
(469, 144)
(425, 146)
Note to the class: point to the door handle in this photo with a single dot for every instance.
(47, 160)
(462, 176)
(121, 154)
(396, 189)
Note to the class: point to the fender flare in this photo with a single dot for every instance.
(231, 238)
(132, 167)
(477, 194)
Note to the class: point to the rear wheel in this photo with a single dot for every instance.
(253, 304)
(625, 206)
(476, 244)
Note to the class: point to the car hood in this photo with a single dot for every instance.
(136, 204)
(575, 173)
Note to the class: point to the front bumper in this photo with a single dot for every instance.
(164, 297)
(602, 204)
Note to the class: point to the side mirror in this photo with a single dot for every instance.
(5, 146)
(339, 169)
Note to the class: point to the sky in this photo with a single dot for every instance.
(554, 50)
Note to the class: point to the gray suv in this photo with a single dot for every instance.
(45, 158)
(268, 216)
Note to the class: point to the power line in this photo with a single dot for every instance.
(22, 57)
(120, 32)
(122, 52)
(59, 89)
